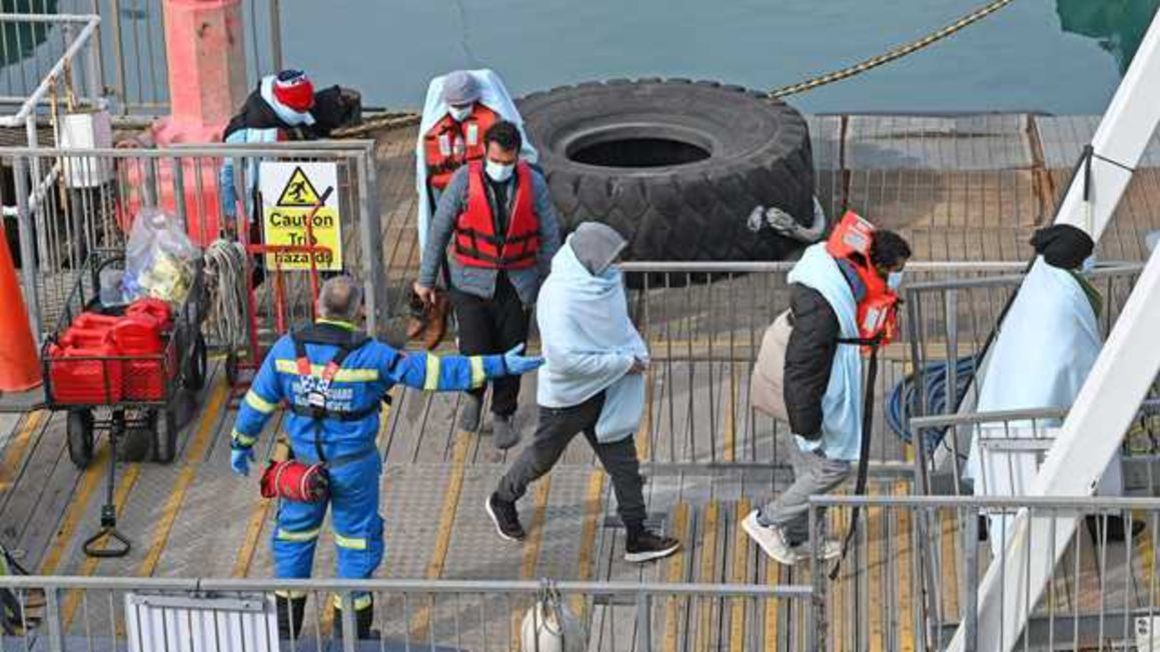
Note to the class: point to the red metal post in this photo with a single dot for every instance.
(207, 69)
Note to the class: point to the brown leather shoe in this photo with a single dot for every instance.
(418, 320)
(437, 321)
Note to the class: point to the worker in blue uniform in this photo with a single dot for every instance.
(349, 374)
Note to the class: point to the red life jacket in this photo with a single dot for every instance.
(476, 243)
(878, 310)
(450, 144)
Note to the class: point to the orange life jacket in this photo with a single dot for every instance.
(476, 242)
(878, 310)
(450, 144)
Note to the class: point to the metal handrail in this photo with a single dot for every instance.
(1104, 270)
(1099, 503)
(29, 106)
(757, 266)
(186, 151)
(439, 586)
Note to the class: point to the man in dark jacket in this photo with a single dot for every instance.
(824, 414)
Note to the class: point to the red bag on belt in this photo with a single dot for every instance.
(293, 480)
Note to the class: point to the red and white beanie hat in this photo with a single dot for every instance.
(294, 89)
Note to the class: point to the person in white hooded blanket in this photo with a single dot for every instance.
(459, 108)
(1045, 347)
(592, 382)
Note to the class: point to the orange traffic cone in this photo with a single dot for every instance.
(19, 367)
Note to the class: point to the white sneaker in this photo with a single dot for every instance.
(831, 549)
(770, 539)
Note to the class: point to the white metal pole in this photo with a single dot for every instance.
(1119, 141)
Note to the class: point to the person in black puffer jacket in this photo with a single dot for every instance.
(781, 528)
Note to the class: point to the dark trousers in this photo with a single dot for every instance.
(557, 428)
(494, 325)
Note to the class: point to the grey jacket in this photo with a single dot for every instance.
(480, 281)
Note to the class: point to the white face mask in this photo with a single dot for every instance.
(894, 280)
(499, 172)
(459, 114)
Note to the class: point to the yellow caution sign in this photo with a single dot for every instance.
(301, 191)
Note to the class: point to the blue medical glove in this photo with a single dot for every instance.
(240, 459)
(517, 364)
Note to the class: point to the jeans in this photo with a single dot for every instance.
(813, 474)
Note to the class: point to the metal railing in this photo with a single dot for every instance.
(704, 322)
(87, 199)
(950, 324)
(911, 577)
(92, 612)
(57, 71)
(1000, 435)
(133, 57)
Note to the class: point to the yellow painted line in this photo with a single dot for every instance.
(839, 519)
(259, 516)
(740, 575)
(189, 466)
(773, 575)
(90, 480)
(675, 572)
(593, 498)
(644, 431)
(730, 430)
(877, 589)
(18, 446)
(531, 549)
(422, 618)
(120, 498)
(1146, 553)
(903, 564)
(949, 567)
(708, 573)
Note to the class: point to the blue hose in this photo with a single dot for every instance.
(902, 402)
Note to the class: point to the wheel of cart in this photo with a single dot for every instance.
(79, 430)
(196, 365)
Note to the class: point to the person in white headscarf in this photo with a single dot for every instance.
(592, 382)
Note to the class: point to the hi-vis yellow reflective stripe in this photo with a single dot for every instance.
(288, 535)
(478, 375)
(354, 375)
(243, 439)
(258, 403)
(290, 594)
(361, 601)
(351, 543)
(431, 380)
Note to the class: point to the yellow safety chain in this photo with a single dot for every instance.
(397, 119)
(890, 55)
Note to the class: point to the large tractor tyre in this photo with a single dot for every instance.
(676, 167)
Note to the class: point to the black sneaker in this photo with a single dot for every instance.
(648, 546)
(505, 517)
